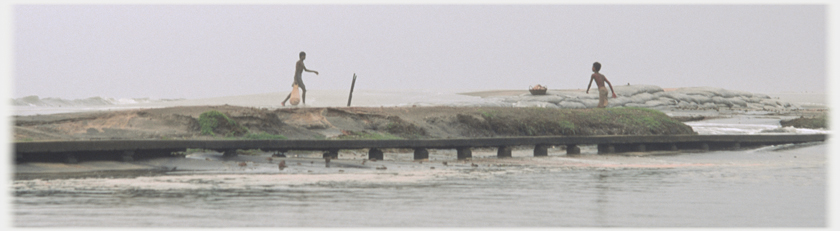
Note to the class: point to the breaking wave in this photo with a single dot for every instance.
(35, 101)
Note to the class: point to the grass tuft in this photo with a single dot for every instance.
(214, 121)
(363, 135)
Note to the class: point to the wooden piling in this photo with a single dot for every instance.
(331, 154)
(572, 149)
(540, 150)
(503, 152)
(606, 148)
(353, 85)
(375, 154)
(464, 153)
(421, 154)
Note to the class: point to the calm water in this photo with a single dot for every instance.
(768, 187)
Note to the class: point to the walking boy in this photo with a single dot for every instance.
(599, 80)
(299, 68)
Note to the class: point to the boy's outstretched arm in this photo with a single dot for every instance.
(590, 84)
(307, 70)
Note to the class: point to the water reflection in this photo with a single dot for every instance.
(601, 201)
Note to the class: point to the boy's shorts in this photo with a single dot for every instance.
(603, 95)
(299, 82)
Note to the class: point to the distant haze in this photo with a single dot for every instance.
(200, 51)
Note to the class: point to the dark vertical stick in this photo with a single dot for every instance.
(351, 89)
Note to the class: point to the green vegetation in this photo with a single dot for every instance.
(257, 136)
(402, 129)
(487, 114)
(656, 121)
(212, 122)
(263, 136)
(547, 121)
(215, 122)
(249, 152)
(319, 137)
(363, 135)
(820, 121)
(567, 126)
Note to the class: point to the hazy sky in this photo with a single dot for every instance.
(199, 51)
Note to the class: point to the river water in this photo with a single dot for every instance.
(778, 186)
(774, 186)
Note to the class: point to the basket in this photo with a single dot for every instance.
(538, 91)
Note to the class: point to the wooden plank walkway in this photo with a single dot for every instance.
(128, 149)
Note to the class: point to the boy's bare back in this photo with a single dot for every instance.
(599, 79)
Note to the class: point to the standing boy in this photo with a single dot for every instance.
(599, 80)
(299, 68)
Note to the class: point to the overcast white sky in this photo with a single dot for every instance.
(199, 51)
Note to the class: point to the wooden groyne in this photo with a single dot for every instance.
(127, 150)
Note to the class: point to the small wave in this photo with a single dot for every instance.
(782, 147)
(707, 128)
(35, 101)
(780, 130)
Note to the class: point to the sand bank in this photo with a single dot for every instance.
(352, 122)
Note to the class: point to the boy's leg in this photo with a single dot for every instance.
(602, 97)
(303, 92)
(287, 99)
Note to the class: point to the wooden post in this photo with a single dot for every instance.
(375, 154)
(503, 152)
(606, 148)
(540, 150)
(572, 149)
(464, 153)
(421, 154)
(331, 154)
(353, 85)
